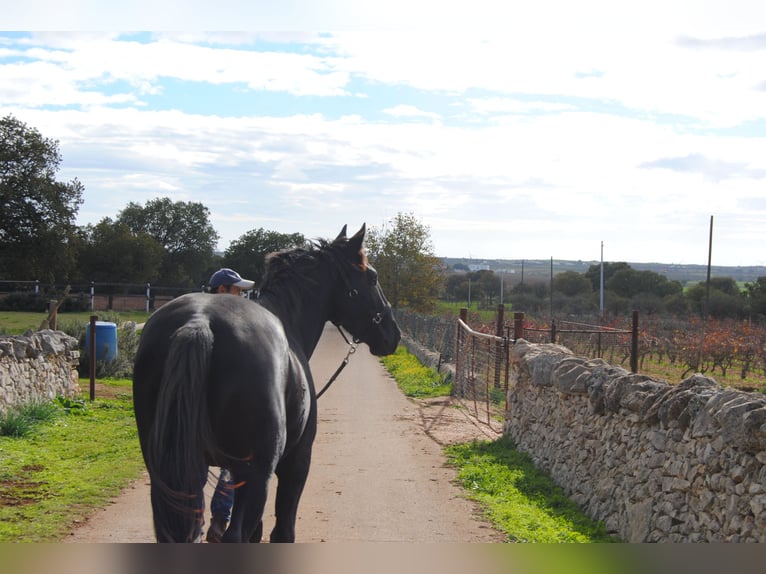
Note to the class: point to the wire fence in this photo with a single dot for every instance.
(434, 332)
(481, 354)
(616, 345)
(482, 374)
(94, 296)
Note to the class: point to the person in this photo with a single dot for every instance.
(227, 280)
(224, 280)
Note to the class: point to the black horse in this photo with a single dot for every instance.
(223, 381)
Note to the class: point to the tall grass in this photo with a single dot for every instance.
(20, 422)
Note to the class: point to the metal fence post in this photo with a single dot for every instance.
(457, 386)
(499, 322)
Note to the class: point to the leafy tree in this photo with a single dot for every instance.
(456, 287)
(756, 296)
(247, 254)
(113, 253)
(37, 219)
(487, 286)
(531, 297)
(593, 274)
(184, 231)
(572, 283)
(628, 282)
(726, 300)
(410, 273)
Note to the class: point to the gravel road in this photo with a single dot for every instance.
(378, 473)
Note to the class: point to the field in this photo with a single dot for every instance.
(18, 322)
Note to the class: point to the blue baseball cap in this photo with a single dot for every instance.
(229, 277)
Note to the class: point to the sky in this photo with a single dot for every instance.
(513, 130)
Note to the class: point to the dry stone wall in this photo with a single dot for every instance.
(656, 462)
(37, 365)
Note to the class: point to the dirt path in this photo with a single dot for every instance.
(377, 474)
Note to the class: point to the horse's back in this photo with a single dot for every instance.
(250, 370)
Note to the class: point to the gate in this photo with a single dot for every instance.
(482, 371)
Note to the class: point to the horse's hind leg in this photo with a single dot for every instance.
(291, 473)
(250, 495)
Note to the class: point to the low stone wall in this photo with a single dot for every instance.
(656, 462)
(40, 365)
(428, 357)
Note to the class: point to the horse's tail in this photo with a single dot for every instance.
(180, 435)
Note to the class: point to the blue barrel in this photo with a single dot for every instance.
(106, 340)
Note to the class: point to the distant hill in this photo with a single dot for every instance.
(541, 269)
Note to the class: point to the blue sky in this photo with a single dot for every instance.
(513, 130)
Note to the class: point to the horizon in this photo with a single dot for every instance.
(545, 130)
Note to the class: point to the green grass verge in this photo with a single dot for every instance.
(518, 499)
(67, 466)
(414, 379)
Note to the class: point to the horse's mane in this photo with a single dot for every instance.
(282, 267)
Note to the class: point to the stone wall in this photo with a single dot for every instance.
(656, 462)
(39, 365)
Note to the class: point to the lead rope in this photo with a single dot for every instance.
(351, 351)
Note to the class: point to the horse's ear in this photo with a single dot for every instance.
(342, 234)
(356, 242)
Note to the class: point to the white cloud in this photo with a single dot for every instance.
(516, 140)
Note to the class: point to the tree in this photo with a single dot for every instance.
(113, 253)
(726, 300)
(571, 283)
(531, 297)
(485, 287)
(409, 272)
(456, 287)
(37, 219)
(185, 232)
(628, 282)
(247, 254)
(594, 273)
(756, 296)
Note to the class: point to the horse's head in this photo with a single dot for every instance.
(360, 305)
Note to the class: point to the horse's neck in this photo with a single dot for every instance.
(303, 320)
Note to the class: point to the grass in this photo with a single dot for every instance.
(476, 313)
(20, 422)
(18, 322)
(518, 499)
(66, 465)
(414, 379)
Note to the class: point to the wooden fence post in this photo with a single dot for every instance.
(518, 326)
(634, 344)
(92, 358)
